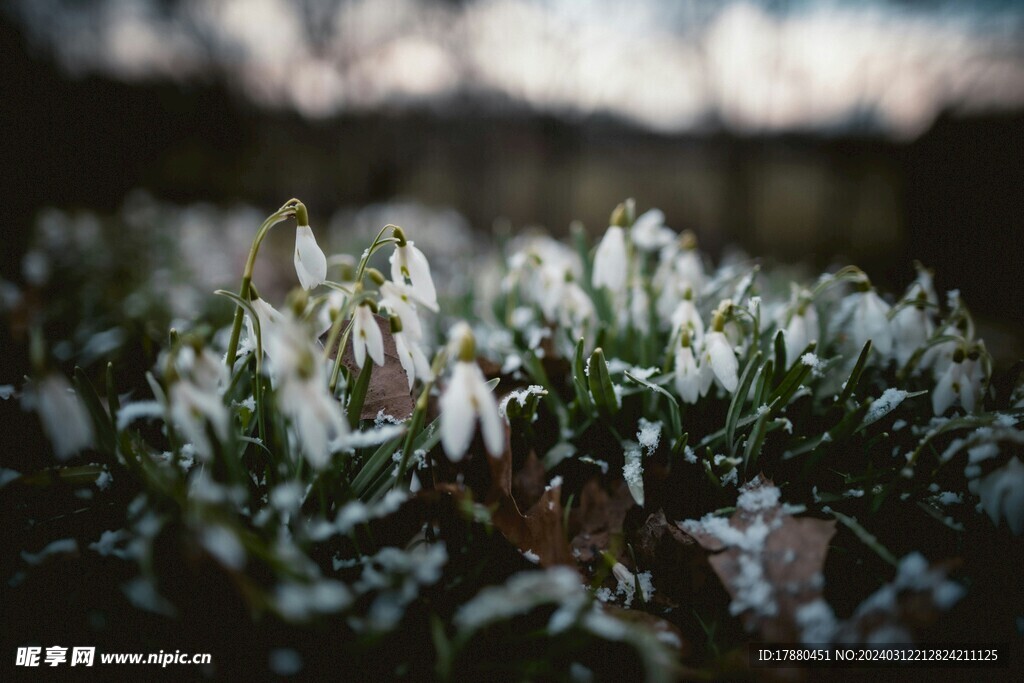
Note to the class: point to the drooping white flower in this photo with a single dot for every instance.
(962, 380)
(465, 398)
(409, 262)
(870, 321)
(317, 417)
(686, 316)
(270, 323)
(302, 393)
(649, 232)
(687, 375)
(575, 309)
(310, 261)
(191, 408)
(801, 330)
(911, 328)
(719, 355)
(679, 269)
(195, 397)
(63, 415)
(1002, 495)
(639, 304)
(414, 362)
(610, 265)
(398, 298)
(366, 337)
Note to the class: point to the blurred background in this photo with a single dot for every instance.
(874, 132)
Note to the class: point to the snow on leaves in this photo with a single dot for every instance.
(769, 561)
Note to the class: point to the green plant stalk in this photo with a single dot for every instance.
(292, 207)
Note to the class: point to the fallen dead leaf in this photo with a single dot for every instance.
(540, 531)
(769, 561)
(389, 385)
(599, 520)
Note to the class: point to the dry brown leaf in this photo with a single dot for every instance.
(540, 531)
(769, 561)
(599, 519)
(389, 385)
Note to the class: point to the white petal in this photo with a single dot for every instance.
(366, 337)
(421, 363)
(1002, 495)
(458, 418)
(801, 331)
(944, 395)
(358, 343)
(707, 375)
(405, 356)
(723, 361)
(310, 262)
(396, 298)
(873, 323)
(410, 261)
(491, 422)
(610, 260)
(64, 417)
(687, 375)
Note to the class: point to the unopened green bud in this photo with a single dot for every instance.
(688, 240)
(467, 348)
(624, 214)
(376, 276)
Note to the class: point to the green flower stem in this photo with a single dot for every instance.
(293, 207)
(378, 242)
(418, 417)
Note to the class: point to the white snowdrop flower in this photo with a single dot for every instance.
(302, 393)
(399, 300)
(316, 416)
(414, 362)
(801, 330)
(270, 321)
(196, 378)
(924, 282)
(546, 289)
(649, 232)
(465, 398)
(610, 265)
(870, 321)
(409, 262)
(687, 375)
(201, 367)
(366, 337)
(63, 415)
(638, 308)
(961, 380)
(576, 311)
(686, 316)
(679, 268)
(310, 261)
(911, 328)
(1002, 495)
(719, 354)
(191, 408)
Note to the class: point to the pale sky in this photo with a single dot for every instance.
(670, 66)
